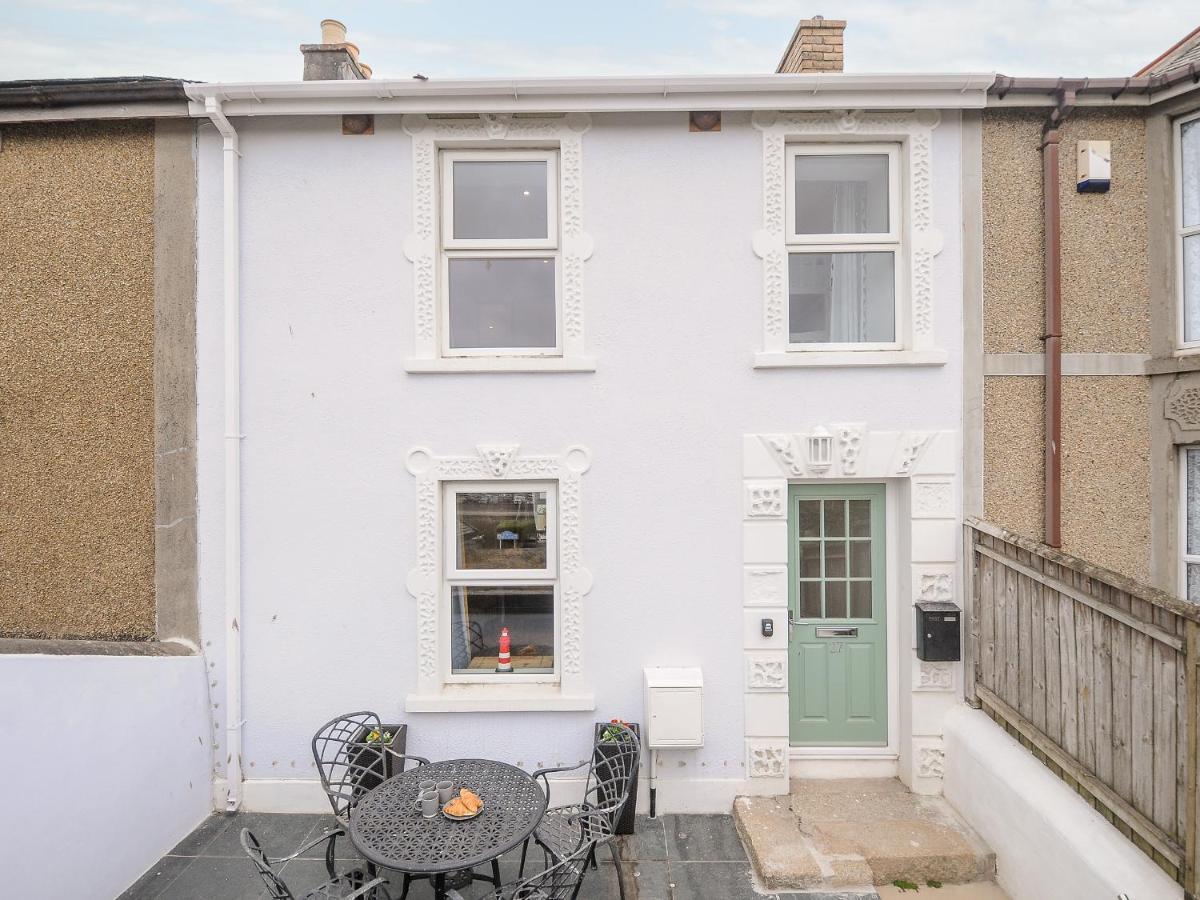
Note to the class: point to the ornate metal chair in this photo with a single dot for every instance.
(612, 769)
(350, 885)
(348, 764)
(561, 881)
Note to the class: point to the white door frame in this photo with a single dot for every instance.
(921, 471)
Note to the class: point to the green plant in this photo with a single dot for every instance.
(933, 884)
(905, 885)
(374, 737)
(610, 734)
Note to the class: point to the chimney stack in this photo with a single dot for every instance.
(335, 58)
(816, 46)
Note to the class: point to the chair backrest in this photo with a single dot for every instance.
(559, 882)
(613, 770)
(278, 890)
(349, 766)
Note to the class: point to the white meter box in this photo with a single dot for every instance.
(674, 707)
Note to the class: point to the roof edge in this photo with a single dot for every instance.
(60, 92)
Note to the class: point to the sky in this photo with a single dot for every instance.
(245, 40)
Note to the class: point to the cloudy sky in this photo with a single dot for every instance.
(235, 40)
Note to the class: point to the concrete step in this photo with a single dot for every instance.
(845, 833)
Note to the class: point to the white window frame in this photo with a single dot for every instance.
(1184, 557)
(508, 248)
(433, 140)
(454, 577)
(1183, 346)
(496, 467)
(917, 240)
(885, 242)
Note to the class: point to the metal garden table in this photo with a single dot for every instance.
(386, 828)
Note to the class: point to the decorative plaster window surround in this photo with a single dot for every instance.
(433, 247)
(910, 231)
(1187, 230)
(497, 467)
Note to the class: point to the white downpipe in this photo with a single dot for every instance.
(233, 458)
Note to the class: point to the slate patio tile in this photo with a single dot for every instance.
(280, 834)
(711, 838)
(202, 835)
(705, 880)
(649, 840)
(216, 879)
(157, 879)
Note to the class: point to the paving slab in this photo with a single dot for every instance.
(853, 833)
(782, 857)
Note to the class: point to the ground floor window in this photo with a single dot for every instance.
(1191, 523)
(501, 580)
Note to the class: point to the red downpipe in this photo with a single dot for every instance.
(1052, 339)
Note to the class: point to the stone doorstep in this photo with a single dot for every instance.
(837, 834)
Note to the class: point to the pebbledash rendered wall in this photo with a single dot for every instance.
(673, 306)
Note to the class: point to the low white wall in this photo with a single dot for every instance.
(1049, 844)
(107, 765)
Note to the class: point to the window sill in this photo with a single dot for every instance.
(499, 698)
(817, 359)
(421, 366)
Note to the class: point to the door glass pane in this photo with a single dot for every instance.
(842, 194)
(835, 518)
(860, 559)
(860, 600)
(501, 529)
(499, 199)
(810, 559)
(1191, 288)
(478, 614)
(809, 518)
(835, 559)
(842, 298)
(835, 599)
(809, 593)
(1190, 167)
(860, 518)
(502, 302)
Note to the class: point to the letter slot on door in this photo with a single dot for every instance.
(938, 624)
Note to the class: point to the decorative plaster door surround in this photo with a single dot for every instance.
(921, 467)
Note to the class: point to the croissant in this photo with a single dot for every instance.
(470, 799)
(457, 807)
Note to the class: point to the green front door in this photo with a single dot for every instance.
(837, 603)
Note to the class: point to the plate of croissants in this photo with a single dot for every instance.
(467, 805)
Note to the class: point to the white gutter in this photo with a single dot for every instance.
(233, 459)
(609, 94)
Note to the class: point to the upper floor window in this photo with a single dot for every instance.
(1188, 228)
(500, 253)
(844, 246)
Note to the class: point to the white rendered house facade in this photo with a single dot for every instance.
(539, 356)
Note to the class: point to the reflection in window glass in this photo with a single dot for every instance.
(502, 302)
(500, 199)
(1189, 152)
(1191, 287)
(834, 573)
(501, 529)
(478, 614)
(842, 298)
(842, 194)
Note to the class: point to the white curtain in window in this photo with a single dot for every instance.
(847, 309)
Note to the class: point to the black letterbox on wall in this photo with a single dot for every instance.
(938, 631)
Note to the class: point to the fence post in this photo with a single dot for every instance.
(1191, 851)
(970, 615)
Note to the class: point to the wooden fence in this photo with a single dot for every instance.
(1097, 675)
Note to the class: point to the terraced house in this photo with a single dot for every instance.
(505, 407)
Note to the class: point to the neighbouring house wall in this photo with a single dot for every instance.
(97, 381)
(674, 313)
(109, 772)
(1106, 327)
(1048, 841)
(77, 380)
